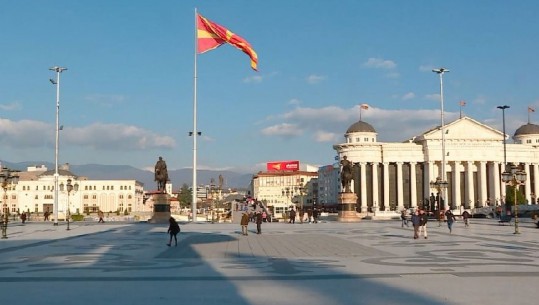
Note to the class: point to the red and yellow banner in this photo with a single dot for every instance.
(211, 35)
(283, 166)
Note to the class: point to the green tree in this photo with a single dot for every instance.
(185, 196)
(510, 196)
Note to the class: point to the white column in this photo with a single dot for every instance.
(469, 184)
(413, 189)
(427, 179)
(482, 183)
(400, 197)
(527, 190)
(386, 185)
(363, 186)
(536, 177)
(456, 184)
(375, 195)
(500, 186)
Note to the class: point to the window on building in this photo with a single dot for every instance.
(85, 197)
(94, 197)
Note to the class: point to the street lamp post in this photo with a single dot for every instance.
(56, 82)
(440, 186)
(504, 135)
(8, 178)
(514, 177)
(443, 180)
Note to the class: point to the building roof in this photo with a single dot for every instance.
(61, 172)
(360, 126)
(527, 129)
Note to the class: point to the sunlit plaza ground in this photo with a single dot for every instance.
(371, 262)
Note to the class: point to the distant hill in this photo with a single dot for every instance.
(113, 172)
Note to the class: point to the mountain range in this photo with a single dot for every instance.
(118, 172)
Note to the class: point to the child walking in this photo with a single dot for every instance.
(173, 230)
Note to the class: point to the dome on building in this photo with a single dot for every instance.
(360, 126)
(528, 129)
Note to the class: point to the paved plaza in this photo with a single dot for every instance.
(371, 262)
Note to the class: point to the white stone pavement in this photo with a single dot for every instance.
(371, 262)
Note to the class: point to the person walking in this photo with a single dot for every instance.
(292, 216)
(173, 230)
(258, 223)
(100, 214)
(465, 216)
(450, 217)
(404, 221)
(416, 222)
(424, 218)
(301, 215)
(315, 215)
(244, 223)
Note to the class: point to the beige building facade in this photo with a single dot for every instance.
(394, 176)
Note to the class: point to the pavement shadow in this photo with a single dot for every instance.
(132, 265)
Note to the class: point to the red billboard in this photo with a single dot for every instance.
(283, 166)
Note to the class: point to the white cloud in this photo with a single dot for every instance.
(328, 124)
(98, 136)
(294, 101)
(325, 136)
(315, 79)
(408, 96)
(11, 106)
(380, 63)
(283, 129)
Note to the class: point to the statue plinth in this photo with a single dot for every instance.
(347, 207)
(161, 208)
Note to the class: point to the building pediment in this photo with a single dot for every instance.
(463, 129)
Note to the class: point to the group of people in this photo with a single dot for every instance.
(244, 222)
(420, 219)
(312, 216)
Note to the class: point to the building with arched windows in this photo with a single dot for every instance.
(35, 193)
(394, 176)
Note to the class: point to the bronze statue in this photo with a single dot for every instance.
(346, 174)
(161, 174)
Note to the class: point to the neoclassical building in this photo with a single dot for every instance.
(35, 193)
(394, 176)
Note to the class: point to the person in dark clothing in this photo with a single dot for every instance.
(465, 217)
(258, 223)
(315, 216)
(292, 216)
(173, 230)
(416, 222)
(450, 220)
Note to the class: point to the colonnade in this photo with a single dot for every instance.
(471, 184)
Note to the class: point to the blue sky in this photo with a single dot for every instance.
(127, 96)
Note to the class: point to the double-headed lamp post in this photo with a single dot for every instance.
(514, 177)
(69, 188)
(440, 185)
(8, 178)
(56, 82)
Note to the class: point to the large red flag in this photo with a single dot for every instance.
(211, 35)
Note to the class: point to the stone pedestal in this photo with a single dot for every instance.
(347, 207)
(161, 208)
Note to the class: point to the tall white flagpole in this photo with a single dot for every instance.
(195, 132)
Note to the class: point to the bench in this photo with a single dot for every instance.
(505, 219)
